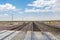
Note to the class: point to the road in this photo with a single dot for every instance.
(30, 31)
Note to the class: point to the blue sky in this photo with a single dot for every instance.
(18, 3)
(29, 10)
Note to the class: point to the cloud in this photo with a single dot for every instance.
(56, 8)
(41, 6)
(30, 18)
(9, 8)
(6, 7)
(4, 15)
(6, 11)
(44, 6)
(36, 10)
(48, 16)
(42, 3)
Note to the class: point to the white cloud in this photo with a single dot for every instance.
(40, 18)
(37, 10)
(7, 7)
(4, 15)
(31, 18)
(56, 8)
(41, 6)
(44, 6)
(7, 10)
(42, 3)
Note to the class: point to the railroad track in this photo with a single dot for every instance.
(24, 34)
(14, 28)
(44, 27)
(28, 31)
(46, 31)
(6, 34)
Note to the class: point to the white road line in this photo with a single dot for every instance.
(11, 36)
(5, 34)
(28, 36)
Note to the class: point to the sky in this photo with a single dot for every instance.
(29, 10)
